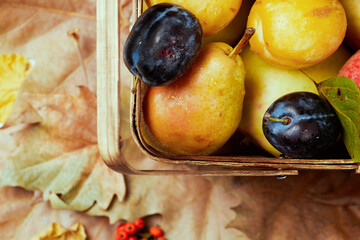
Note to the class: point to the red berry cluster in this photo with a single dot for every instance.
(136, 231)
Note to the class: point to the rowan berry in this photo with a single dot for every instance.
(161, 238)
(130, 228)
(121, 236)
(132, 238)
(139, 223)
(156, 231)
(121, 228)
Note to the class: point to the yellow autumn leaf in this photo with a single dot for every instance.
(13, 70)
(56, 232)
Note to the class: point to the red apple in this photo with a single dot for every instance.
(351, 68)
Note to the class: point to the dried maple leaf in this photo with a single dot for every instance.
(59, 156)
(16, 203)
(67, 132)
(296, 208)
(13, 70)
(55, 152)
(38, 29)
(191, 207)
(24, 214)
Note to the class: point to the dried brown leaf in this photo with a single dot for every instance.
(38, 30)
(191, 207)
(56, 149)
(59, 156)
(299, 207)
(16, 203)
(23, 214)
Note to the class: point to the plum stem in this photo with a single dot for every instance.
(133, 89)
(249, 32)
(285, 121)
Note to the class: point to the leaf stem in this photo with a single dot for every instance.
(75, 35)
(316, 84)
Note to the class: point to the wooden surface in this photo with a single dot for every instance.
(109, 136)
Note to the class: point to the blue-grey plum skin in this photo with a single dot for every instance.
(313, 126)
(163, 43)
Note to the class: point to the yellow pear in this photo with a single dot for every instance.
(233, 32)
(330, 67)
(200, 111)
(213, 15)
(264, 83)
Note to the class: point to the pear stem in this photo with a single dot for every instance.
(249, 32)
(133, 89)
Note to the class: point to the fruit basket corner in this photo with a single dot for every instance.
(108, 127)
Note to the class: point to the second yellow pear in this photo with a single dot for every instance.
(213, 15)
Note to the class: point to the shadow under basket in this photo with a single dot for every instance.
(108, 126)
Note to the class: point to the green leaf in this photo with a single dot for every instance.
(344, 96)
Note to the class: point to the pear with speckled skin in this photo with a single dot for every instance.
(198, 113)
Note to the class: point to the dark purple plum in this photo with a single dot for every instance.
(301, 125)
(163, 43)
